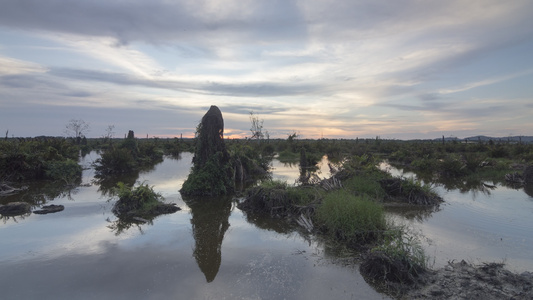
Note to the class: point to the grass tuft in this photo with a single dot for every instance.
(140, 201)
(354, 219)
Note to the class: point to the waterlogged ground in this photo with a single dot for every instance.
(212, 250)
(486, 223)
(209, 250)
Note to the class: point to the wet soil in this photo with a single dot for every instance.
(462, 280)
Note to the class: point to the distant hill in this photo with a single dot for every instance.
(512, 139)
(483, 138)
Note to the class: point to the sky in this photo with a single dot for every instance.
(403, 69)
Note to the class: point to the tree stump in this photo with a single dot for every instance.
(212, 173)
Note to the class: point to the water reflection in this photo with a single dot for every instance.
(414, 213)
(85, 260)
(6, 218)
(40, 192)
(121, 225)
(266, 222)
(475, 186)
(107, 184)
(210, 221)
(528, 189)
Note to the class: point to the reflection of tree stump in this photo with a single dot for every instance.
(212, 173)
(209, 224)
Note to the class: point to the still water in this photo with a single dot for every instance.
(212, 250)
(487, 222)
(208, 250)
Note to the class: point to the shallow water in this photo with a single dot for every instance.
(212, 250)
(209, 250)
(480, 225)
(289, 172)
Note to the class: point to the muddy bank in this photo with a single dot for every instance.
(458, 280)
(462, 280)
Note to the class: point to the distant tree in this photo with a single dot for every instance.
(109, 133)
(76, 129)
(291, 137)
(257, 127)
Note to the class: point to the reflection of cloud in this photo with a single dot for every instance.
(84, 236)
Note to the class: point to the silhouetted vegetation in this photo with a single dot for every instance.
(128, 156)
(212, 173)
(217, 168)
(46, 158)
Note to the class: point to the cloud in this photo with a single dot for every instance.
(11, 66)
(237, 89)
(157, 21)
(486, 81)
(345, 67)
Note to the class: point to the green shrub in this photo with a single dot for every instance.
(249, 160)
(353, 219)
(66, 170)
(411, 191)
(26, 160)
(115, 161)
(278, 199)
(139, 198)
(365, 184)
(288, 156)
(354, 165)
(210, 180)
(424, 164)
(401, 245)
(135, 205)
(498, 152)
(302, 195)
(268, 150)
(396, 262)
(452, 166)
(150, 152)
(473, 161)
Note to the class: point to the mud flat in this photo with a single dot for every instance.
(461, 280)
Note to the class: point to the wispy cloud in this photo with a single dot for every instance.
(348, 69)
(487, 81)
(10, 66)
